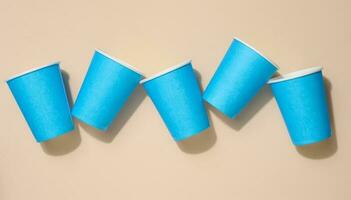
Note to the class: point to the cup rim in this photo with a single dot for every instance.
(295, 74)
(31, 70)
(119, 61)
(165, 71)
(258, 52)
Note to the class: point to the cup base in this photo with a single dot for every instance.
(55, 135)
(187, 136)
(90, 123)
(313, 141)
(221, 110)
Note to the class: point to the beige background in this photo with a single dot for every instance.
(247, 158)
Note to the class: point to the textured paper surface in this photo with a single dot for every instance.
(106, 87)
(42, 99)
(248, 158)
(303, 104)
(178, 99)
(239, 77)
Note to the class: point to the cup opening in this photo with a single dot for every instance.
(31, 70)
(265, 57)
(166, 71)
(120, 62)
(295, 74)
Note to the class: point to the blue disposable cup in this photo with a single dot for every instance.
(41, 96)
(302, 100)
(241, 74)
(176, 94)
(107, 86)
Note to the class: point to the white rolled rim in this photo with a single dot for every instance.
(125, 64)
(258, 52)
(32, 70)
(295, 74)
(163, 72)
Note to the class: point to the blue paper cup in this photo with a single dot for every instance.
(106, 88)
(177, 97)
(241, 74)
(41, 96)
(303, 103)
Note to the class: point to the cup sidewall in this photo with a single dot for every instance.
(43, 102)
(104, 92)
(240, 75)
(177, 97)
(303, 104)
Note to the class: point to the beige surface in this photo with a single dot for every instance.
(247, 158)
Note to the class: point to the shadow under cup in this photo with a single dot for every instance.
(302, 100)
(177, 96)
(41, 96)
